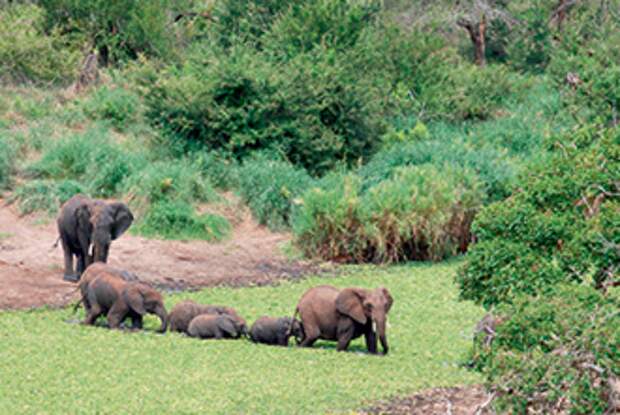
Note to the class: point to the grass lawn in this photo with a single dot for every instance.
(50, 366)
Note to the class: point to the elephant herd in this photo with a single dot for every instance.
(87, 228)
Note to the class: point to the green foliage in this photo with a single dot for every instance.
(420, 213)
(554, 229)
(44, 195)
(117, 29)
(7, 161)
(269, 188)
(554, 353)
(239, 376)
(118, 105)
(91, 158)
(170, 219)
(30, 54)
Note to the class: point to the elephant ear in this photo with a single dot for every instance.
(350, 302)
(133, 297)
(227, 326)
(122, 219)
(388, 299)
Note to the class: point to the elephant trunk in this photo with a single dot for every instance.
(381, 333)
(160, 311)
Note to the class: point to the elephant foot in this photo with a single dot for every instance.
(71, 277)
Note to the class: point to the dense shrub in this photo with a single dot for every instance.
(28, 53)
(269, 188)
(7, 161)
(117, 105)
(168, 181)
(117, 29)
(555, 228)
(92, 158)
(421, 213)
(315, 109)
(44, 195)
(170, 219)
(554, 354)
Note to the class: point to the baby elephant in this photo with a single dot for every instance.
(277, 331)
(184, 312)
(213, 326)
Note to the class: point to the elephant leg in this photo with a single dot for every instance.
(117, 314)
(311, 335)
(69, 274)
(346, 330)
(81, 265)
(136, 321)
(371, 341)
(93, 313)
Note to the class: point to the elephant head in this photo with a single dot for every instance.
(142, 299)
(364, 306)
(105, 222)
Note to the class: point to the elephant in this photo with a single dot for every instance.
(84, 223)
(276, 331)
(183, 313)
(109, 294)
(332, 314)
(93, 271)
(218, 326)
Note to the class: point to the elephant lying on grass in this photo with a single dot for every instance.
(85, 223)
(332, 314)
(105, 291)
(184, 312)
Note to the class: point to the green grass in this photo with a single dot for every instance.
(49, 366)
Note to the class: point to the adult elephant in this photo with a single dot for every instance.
(332, 314)
(118, 299)
(85, 223)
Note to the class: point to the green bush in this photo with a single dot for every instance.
(176, 219)
(555, 228)
(7, 161)
(44, 195)
(269, 188)
(168, 181)
(315, 109)
(221, 169)
(30, 54)
(117, 29)
(421, 213)
(91, 158)
(117, 105)
(554, 354)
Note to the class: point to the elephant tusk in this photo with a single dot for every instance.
(374, 326)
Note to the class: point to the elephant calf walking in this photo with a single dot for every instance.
(276, 331)
(213, 326)
(185, 311)
(107, 293)
(332, 314)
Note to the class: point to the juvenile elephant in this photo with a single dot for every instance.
(184, 312)
(118, 299)
(332, 314)
(95, 270)
(84, 223)
(277, 331)
(216, 326)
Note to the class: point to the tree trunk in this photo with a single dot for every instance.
(477, 34)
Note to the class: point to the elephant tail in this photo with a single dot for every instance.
(55, 244)
(290, 327)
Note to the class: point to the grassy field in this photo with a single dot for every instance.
(50, 366)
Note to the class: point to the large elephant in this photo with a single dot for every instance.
(276, 331)
(332, 314)
(216, 326)
(110, 294)
(185, 311)
(84, 223)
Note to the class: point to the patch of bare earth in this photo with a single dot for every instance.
(466, 400)
(31, 270)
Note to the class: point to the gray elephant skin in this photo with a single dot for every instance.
(330, 313)
(275, 330)
(214, 326)
(105, 292)
(185, 311)
(86, 229)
